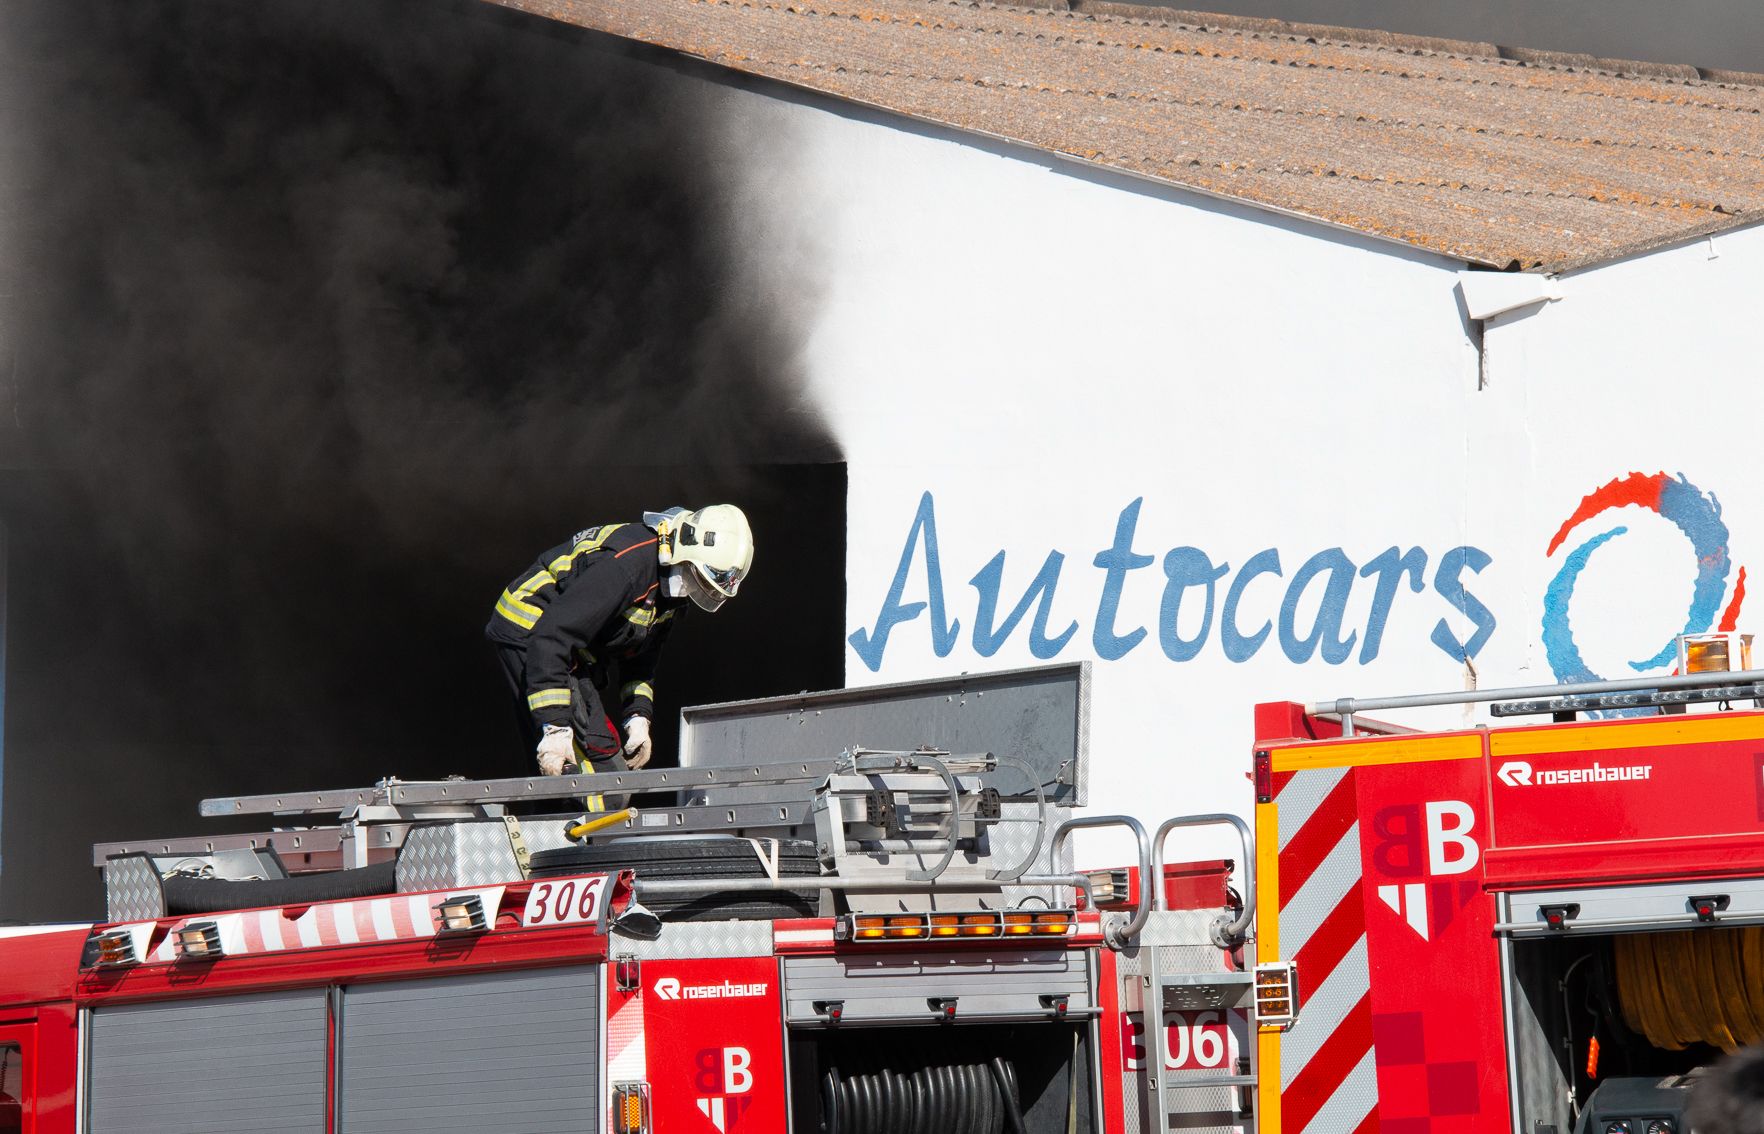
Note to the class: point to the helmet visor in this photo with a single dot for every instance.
(701, 592)
(724, 579)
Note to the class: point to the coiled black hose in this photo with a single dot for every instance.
(937, 1098)
(1006, 1077)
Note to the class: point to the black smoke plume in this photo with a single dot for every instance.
(326, 316)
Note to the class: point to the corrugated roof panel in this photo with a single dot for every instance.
(1490, 160)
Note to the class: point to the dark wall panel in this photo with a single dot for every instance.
(339, 312)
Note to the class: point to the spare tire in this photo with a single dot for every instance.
(706, 860)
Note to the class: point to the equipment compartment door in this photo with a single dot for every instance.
(503, 1051)
(211, 1065)
(18, 1082)
(714, 1038)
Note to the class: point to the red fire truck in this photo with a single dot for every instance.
(1542, 927)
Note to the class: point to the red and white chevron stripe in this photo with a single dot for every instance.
(627, 1057)
(402, 917)
(1328, 1080)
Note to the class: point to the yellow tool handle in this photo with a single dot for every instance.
(599, 823)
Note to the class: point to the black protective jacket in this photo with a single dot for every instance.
(584, 606)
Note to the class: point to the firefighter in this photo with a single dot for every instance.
(1730, 1097)
(597, 609)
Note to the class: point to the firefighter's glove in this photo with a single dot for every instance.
(557, 747)
(637, 742)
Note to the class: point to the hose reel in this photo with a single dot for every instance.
(1696, 986)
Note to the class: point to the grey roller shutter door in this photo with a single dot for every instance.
(898, 986)
(218, 1065)
(506, 1051)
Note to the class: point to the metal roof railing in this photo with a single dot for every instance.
(1574, 697)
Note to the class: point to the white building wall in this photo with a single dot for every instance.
(1647, 365)
(1047, 364)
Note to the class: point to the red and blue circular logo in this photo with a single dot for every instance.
(1695, 513)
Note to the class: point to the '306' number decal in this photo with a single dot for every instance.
(569, 902)
(1194, 1040)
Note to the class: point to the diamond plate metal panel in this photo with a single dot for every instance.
(1010, 841)
(1133, 1103)
(1195, 960)
(441, 856)
(1204, 1110)
(132, 890)
(700, 939)
(545, 834)
(1183, 927)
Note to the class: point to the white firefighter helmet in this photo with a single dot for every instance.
(710, 551)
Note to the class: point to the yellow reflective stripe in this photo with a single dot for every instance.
(516, 611)
(1383, 750)
(548, 699)
(1267, 882)
(517, 597)
(637, 689)
(1654, 733)
(562, 564)
(513, 605)
(646, 616)
(1268, 949)
(1268, 1081)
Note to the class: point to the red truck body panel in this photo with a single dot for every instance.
(1389, 851)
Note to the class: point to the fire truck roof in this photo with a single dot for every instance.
(1511, 159)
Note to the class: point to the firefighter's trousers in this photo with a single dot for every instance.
(598, 746)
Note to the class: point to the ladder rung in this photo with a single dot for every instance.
(524, 787)
(559, 787)
(1183, 1079)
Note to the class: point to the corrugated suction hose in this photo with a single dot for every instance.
(1693, 986)
(947, 1098)
(212, 895)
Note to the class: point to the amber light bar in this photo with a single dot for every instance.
(114, 949)
(1277, 994)
(870, 928)
(462, 913)
(631, 1108)
(1719, 652)
(198, 941)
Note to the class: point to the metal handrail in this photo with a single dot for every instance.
(1233, 931)
(866, 885)
(1116, 935)
(1348, 706)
